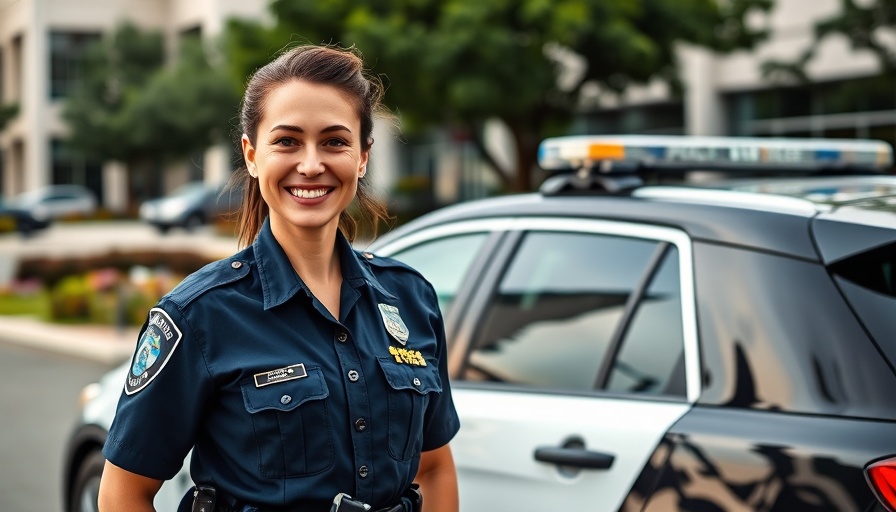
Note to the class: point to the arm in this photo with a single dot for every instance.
(438, 480)
(121, 490)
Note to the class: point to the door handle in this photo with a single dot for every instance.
(574, 457)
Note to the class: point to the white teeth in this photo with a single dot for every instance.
(308, 194)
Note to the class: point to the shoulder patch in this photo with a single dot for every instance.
(154, 349)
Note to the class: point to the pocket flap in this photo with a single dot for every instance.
(286, 395)
(422, 379)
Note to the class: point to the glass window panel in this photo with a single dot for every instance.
(444, 262)
(556, 309)
(650, 359)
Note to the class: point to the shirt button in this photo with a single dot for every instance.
(353, 375)
(362, 471)
(285, 399)
(360, 424)
(416, 381)
(236, 264)
(342, 337)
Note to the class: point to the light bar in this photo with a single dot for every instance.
(683, 152)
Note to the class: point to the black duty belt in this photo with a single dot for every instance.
(208, 499)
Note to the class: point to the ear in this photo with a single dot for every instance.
(248, 151)
(362, 165)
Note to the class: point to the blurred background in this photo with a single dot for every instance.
(118, 119)
(135, 98)
(117, 111)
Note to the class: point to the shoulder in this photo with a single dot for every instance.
(384, 266)
(215, 274)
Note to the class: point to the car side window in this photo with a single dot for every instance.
(654, 339)
(444, 262)
(558, 306)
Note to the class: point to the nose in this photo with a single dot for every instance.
(311, 163)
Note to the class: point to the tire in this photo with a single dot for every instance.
(87, 483)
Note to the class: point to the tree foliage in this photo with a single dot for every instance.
(866, 26)
(7, 113)
(463, 62)
(133, 107)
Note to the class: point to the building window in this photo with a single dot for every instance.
(658, 119)
(67, 55)
(857, 108)
(71, 167)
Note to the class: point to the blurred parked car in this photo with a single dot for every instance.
(37, 209)
(189, 207)
(620, 344)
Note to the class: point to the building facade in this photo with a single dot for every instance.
(847, 95)
(41, 43)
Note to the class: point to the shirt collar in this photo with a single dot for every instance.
(279, 281)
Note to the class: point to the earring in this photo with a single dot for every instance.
(363, 171)
(251, 170)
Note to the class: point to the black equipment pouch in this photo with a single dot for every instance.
(416, 497)
(204, 498)
(344, 503)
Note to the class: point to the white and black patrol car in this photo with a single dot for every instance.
(670, 323)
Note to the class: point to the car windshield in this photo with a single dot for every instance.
(190, 190)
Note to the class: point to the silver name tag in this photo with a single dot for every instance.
(296, 371)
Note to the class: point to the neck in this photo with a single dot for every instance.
(312, 253)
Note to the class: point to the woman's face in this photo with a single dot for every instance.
(307, 155)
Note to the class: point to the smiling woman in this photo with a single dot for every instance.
(302, 373)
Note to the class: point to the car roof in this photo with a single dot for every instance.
(800, 197)
(730, 213)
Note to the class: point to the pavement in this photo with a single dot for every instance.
(106, 344)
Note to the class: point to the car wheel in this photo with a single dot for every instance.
(87, 483)
(193, 222)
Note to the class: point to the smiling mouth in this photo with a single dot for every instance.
(309, 194)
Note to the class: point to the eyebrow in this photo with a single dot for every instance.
(292, 128)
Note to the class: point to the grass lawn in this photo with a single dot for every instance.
(32, 304)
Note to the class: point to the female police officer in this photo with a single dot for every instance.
(296, 369)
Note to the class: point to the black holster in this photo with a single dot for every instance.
(410, 501)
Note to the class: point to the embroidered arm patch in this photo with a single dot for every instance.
(154, 348)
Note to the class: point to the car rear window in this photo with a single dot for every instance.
(868, 281)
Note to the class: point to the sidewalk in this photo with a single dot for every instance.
(105, 344)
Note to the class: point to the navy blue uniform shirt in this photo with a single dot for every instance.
(283, 404)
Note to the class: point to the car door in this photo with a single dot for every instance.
(575, 352)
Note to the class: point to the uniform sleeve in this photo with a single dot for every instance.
(164, 393)
(441, 422)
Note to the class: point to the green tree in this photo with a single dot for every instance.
(863, 25)
(135, 108)
(7, 113)
(461, 63)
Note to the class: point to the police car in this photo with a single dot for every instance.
(669, 323)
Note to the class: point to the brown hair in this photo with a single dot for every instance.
(324, 65)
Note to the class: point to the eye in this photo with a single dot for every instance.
(285, 142)
(336, 142)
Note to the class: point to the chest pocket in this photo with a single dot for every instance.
(292, 424)
(412, 389)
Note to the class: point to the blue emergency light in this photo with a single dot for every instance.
(638, 152)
